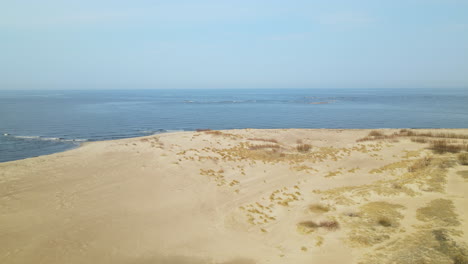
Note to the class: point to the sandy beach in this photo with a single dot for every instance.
(241, 197)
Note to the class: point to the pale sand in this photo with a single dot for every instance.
(197, 197)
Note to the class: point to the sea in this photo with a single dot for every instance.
(34, 123)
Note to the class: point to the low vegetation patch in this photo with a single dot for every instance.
(433, 246)
(219, 133)
(264, 146)
(378, 135)
(374, 223)
(330, 225)
(309, 224)
(419, 137)
(463, 158)
(420, 164)
(440, 212)
(303, 147)
(464, 174)
(443, 146)
(412, 133)
(318, 208)
(421, 178)
(307, 227)
(435, 242)
(264, 140)
(420, 140)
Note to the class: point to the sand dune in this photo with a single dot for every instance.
(240, 196)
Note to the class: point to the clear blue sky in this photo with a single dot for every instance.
(112, 44)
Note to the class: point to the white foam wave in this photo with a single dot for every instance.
(26, 137)
(160, 131)
(75, 140)
(220, 102)
(45, 138)
(50, 138)
(172, 131)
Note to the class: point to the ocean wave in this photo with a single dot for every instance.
(220, 102)
(160, 131)
(152, 132)
(75, 140)
(147, 131)
(45, 138)
(172, 131)
(25, 137)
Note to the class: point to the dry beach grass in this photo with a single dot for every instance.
(242, 196)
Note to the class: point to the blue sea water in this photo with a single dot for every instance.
(35, 123)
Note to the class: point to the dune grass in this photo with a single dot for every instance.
(376, 133)
(318, 208)
(303, 148)
(464, 174)
(440, 142)
(271, 140)
(307, 227)
(412, 133)
(264, 146)
(440, 212)
(444, 146)
(463, 158)
(435, 242)
(374, 224)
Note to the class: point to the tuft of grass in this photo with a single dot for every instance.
(420, 164)
(309, 224)
(306, 227)
(332, 174)
(376, 133)
(214, 132)
(330, 225)
(318, 208)
(384, 222)
(463, 158)
(303, 147)
(319, 241)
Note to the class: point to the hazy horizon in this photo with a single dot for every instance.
(53, 45)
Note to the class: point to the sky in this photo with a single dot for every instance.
(143, 44)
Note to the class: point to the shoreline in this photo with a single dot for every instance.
(83, 143)
(237, 196)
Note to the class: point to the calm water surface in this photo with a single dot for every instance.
(35, 123)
